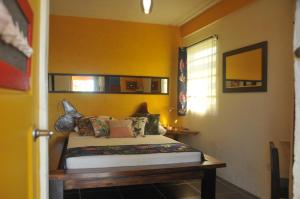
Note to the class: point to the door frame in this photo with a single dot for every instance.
(43, 98)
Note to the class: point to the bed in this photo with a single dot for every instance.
(143, 151)
(89, 162)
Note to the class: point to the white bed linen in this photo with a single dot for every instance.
(101, 161)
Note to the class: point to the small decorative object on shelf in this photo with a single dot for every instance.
(175, 132)
(66, 122)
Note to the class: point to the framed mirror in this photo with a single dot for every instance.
(90, 83)
(245, 69)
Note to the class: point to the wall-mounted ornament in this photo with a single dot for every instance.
(16, 25)
(10, 32)
(182, 82)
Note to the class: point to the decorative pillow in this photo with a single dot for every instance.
(120, 128)
(138, 125)
(100, 126)
(151, 127)
(85, 127)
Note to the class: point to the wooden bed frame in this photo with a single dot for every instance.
(61, 179)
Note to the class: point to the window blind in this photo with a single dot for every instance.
(201, 76)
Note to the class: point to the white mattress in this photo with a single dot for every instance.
(101, 161)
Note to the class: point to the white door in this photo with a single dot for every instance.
(296, 167)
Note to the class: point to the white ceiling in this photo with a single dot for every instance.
(168, 12)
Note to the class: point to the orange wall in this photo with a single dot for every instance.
(212, 14)
(81, 45)
(16, 143)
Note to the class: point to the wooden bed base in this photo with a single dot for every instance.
(61, 179)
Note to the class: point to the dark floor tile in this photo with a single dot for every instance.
(172, 183)
(138, 192)
(135, 186)
(72, 194)
(194, 181)
(106, 193)
(181, 191)
(231, 195)
(250, 196)
(176, 183)
(191, 197)
(226, 187)
(196, 184)
(221, 188)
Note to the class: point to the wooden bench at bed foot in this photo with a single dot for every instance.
(61, 180)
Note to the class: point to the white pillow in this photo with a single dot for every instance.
(161, 130)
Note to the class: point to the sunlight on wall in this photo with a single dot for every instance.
(201, 84)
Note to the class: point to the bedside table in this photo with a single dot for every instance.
(175, 133)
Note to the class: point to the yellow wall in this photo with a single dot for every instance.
(212, 14)
(16, 144)
(81, 45)
(243, 124)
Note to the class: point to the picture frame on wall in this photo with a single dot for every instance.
(245, 69)
(15, 66)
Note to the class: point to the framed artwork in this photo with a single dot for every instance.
(156, 85)
(14, 64)
(131, 85)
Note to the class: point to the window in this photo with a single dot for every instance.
(201, 74)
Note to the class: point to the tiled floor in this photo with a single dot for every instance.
(181, 190)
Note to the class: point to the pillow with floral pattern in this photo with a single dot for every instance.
(100, 125)
(84, 126)
(138, 125)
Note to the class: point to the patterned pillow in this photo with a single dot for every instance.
(100, 126)
(120, 128)
(104, 117)
(151, 127)
(138, 125)
(85, 127)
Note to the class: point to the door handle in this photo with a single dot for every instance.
(38, 133)
(297, 52)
